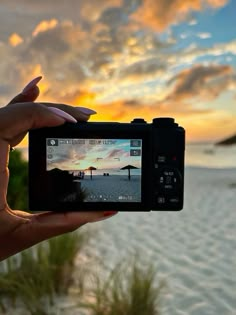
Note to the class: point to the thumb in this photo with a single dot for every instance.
(29, 93)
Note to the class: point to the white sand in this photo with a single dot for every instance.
(194, 249)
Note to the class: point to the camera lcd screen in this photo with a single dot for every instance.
(95, 170)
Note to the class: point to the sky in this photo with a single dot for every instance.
(127, 59)
(104, 154)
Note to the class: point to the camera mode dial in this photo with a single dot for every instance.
(164, 122)
(138, 121)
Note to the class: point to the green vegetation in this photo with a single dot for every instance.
(38, 275)
(130, 289)
(18, 183)
(36, 278)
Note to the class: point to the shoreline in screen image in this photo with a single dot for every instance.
(95, 170)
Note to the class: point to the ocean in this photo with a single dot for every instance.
(210, 156)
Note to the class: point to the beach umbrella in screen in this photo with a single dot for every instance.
(129, 167)
(91, 169)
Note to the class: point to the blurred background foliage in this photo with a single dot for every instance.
(17, 195)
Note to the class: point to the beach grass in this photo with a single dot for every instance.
(130, 289)
(34, 277)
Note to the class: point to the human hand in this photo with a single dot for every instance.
(20, 230)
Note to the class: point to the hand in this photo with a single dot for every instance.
(20, 230)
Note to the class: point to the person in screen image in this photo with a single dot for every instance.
(20, 230)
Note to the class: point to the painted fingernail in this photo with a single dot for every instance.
(106, 215)
(31, 85)
(86, 111)
(109, 213)
(62, 114)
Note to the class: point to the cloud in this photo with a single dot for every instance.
(204, 35)
(144, 68)
(193, 22)
(27, 13)
(109, 55)
(114, 17)
(43, 26)
(193, 53)
(115, 153)
(126, 110)
(183, 36)
(4, 89)
(158, 15)
(62, 156)
(15, 40)
(205, 82)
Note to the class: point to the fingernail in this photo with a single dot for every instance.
(31, 85)
(62, 114)
(86, 111)
(106, 215)
(109, 213)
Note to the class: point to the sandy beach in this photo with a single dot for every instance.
(194, 249)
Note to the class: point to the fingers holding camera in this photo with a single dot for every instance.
(54, 223)
(17, 119)
(78, 112)
(45, 225)
(29, 93)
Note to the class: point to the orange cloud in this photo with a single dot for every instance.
(15, 40)
(158, 15)
(85, 99)
(91, 10)
(44, 26)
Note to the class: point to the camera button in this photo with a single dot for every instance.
(161, 159)
(160, 200)
(174, 200)
(168, 179)
(138, 121)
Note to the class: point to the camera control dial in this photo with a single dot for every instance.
(169, 179)
(138, 121)
(164, 122)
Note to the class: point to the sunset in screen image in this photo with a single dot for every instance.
(126, 59)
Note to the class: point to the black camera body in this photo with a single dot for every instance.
(94, 166)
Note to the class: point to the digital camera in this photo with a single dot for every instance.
(94, 166)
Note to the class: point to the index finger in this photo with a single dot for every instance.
(21, 98)
(29, 93)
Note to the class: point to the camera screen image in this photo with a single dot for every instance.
(94, 170)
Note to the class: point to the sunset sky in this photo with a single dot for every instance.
(103, 155)
(127, 58)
